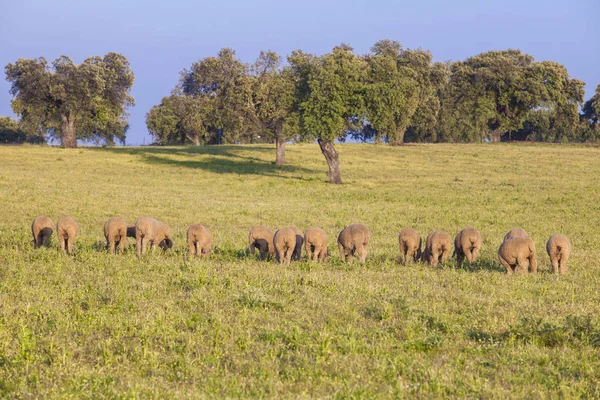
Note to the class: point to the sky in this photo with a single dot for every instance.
(161, 38)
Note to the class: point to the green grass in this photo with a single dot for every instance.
(101, 326)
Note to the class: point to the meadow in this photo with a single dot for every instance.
(95, 325)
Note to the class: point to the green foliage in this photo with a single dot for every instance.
(494, 92)
(335, 85)
(86, 101)
(11, 133)
(401, 90)
(224, 86)
(179, 119)
(591, 108)
(273, 97)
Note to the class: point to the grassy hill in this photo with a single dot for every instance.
(96, 325)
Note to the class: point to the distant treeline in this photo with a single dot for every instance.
(390, 94)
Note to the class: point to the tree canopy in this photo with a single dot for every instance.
(179, 119)
(86, 101)
(273, 101)
(493, 94)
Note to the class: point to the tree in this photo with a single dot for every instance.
(10, 132)
(85, 101)
(400, 85)
(224, 84)
(333, 101)
(179, 118)
(273, 95)
(591, 108)
(496, 91)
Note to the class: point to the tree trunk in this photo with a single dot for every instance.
(333, 161)
(398, 137)
(496, 135)
(194, 139)
(279, 150)
(69, 139)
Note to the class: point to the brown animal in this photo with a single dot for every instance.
(66, 231)
(409, 241)
(297, 254)
(353, 239)
(261, 238)
(149, 231)
(517, 253)
(315, 242)
(467, 245)
(115, 232)
(437, 247)
(559, 249)
(514, 232)
(285, 244)
(42, 228)
(199, 240)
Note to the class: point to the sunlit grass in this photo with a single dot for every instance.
(99, 325)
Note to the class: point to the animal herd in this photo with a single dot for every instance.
(516, 253)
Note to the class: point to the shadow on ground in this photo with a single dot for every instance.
(229, 159)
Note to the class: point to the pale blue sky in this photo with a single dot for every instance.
(160, 38)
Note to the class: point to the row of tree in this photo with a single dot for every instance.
(390, 94)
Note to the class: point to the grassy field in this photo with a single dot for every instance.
(96, 325)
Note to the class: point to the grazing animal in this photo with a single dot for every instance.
(42, 228)
(467, 245)
(285, 244)
(437, 247)
(353, 239)
(409, 241)
(199, 240)
(149, 231)
(261, 238)
(514, 232)
(115, 232)
(297, 254)
(315, 242)
(559, 249)
(66, 231)
(517, 253)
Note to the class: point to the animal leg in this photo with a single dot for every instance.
(434, 258)
(509, 269)
(62, 239)
(111, 246)
(445, 255)
(342, 252)
(140, 246)
(192, 247)
(460, 257)
(555, 264)
(522, 266)
(532, 263)
(289, 252)
(69, 245)
(563, 264)
(472, 256)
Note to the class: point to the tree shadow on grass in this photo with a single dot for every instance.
(216, 159)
